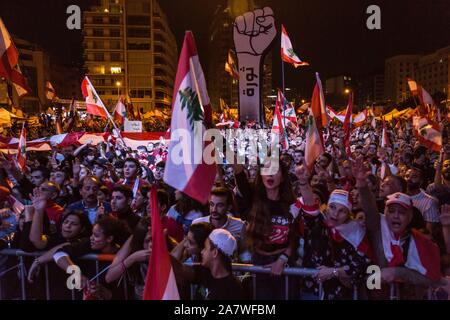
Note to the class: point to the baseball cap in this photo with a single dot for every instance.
(399, 198)
(101, 162)
(223, 240)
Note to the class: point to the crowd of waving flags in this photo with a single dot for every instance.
(191, 111)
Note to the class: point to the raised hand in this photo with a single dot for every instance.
(76, 167)
(302, 173)
(254, 31)
(360, 172)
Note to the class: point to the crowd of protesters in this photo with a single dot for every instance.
(386, 206)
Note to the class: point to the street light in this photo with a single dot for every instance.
(118, 84)
(347, 91)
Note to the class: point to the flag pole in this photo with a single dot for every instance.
(283, 111)
(106, 110)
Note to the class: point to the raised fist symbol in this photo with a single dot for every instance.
(254, 31)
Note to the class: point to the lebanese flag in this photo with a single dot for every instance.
(384, 137)
(94, 104)
(186, 169)
(314, 142)
(279, 126)
(418, 91)
(160, 283)
(22, 150)
(287, 51)
(316, 109)
(356, 235)
(360, 118)
(50, 92)
(423, 254)
(428, 133)
(134, 140)
(120, 111)
(347, 124)
(289, 116)
(325, 121)
(9, 62)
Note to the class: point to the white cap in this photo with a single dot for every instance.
(399, 198)
(341, 197)
(223, 240)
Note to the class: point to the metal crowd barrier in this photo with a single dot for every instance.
(240, 268)
(22, 270)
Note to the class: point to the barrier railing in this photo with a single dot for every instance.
(237, 268)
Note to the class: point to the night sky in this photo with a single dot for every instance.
(331, 35)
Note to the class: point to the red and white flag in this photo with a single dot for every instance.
(316, 108)
(423, 254)
(50, 92)
(22, 150)
(420, 92)
(314, 138)
(186, 169)
(120, 111)
(325, 121)
(160, 283)
(279, 125)
(348, 123)
(314, 145)
(428, 133)
(9, 62)
(384, 137)
(287, 51)
(289, 116)
(94, 104)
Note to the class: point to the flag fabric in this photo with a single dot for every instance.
(231, 66)
(138, 116)
(420, 92)
(22, 150)
(287, 51)
(279, 126)
(160, 283)
(423, 254)
(50, 92)
(359, 119)
(316, 110)
(428, 133)
(323, 107)
(73, 116)
(347, 124)
(120, 111)
(384, 137)
(191, 112)
(9, 62)
(289, 116)
(94, 104)
(314, 142)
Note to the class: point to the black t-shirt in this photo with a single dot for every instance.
(228, 288)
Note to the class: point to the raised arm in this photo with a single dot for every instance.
(37, 237)
(369, 206)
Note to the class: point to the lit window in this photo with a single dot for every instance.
(116, 70)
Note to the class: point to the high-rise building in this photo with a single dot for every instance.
(396, 70)
(337, 90)
(130, 51)
(431, 71)
(220, 83)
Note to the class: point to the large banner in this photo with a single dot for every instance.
(254, 33)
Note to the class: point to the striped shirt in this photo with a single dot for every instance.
(427, 205)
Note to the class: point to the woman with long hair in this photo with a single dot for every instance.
(132, 259)
(271, 229)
